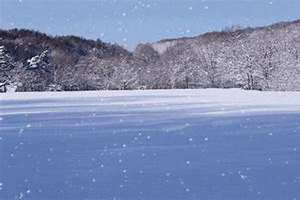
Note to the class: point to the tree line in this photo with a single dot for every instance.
(265, 58)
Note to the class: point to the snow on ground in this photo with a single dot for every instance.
(162, 145)
(222, 101)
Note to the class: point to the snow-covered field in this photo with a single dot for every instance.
(208, 144)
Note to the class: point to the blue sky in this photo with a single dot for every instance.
(129, 22)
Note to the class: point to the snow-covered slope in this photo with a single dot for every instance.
(162, 145)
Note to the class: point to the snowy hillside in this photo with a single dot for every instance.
(263, 58)
(207, 144)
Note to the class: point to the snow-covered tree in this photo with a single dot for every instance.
(244, 68)
(6, 67)
(124, 77)
(267, 60)
(286, 75)
(208, 61)
(38, 74)
(39, 61)
(5, 60)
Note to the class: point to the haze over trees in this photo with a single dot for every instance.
(264, 58)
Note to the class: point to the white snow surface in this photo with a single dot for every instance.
(215, 101)
(153, 144)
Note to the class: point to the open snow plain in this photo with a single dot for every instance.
(208, 144)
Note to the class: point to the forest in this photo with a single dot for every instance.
(261, 58)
